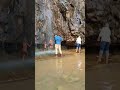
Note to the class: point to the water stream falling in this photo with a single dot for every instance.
(45, 33)
(48, 16)
(55, 16)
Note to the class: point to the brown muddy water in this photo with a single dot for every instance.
(61, 73)
(102, 76)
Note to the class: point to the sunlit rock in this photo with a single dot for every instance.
(67, 18)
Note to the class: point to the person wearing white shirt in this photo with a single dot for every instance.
(78, 42)
(104, 38)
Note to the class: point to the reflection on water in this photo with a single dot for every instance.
(59, 66)
(62, 73)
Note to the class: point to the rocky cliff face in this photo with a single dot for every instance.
(16, 23)
(15, 18)
(98, 12)
(64, 16)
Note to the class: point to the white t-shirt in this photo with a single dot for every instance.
(105, 34)
(78, 40)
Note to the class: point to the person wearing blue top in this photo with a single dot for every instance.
(58, 40)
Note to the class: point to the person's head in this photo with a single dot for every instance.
(58, 34)
(51, 41)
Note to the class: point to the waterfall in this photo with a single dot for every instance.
(49, 16)
(45, 16)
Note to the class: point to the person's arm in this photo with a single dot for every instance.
(110, 36)
(62, 38)
(55, 39)
(99, 37)
(29, 45)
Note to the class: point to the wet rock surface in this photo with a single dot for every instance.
(67, 18)
(100, 12)
(14, 20)
(16, 23)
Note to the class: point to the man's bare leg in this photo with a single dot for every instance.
(56, 50)
(60, 50)
(107, 57)
(76, 49)
(100, 56)
(79, 50)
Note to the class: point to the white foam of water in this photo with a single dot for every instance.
(39, 53)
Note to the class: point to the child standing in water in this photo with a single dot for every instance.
(51, 44)
(25, 46)
(45, 45)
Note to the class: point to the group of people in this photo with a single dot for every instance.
(58, 39)
(104, 38)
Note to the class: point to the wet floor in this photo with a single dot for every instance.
(16, 70)
(103, 77)
(61, 73)
(18, 85)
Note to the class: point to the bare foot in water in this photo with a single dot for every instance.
(98, 61)
(61, 55)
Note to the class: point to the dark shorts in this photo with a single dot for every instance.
(78, 45)
(104, 46)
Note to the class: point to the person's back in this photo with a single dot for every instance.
(105, 34)
(104, 38)
(58, 40)
(78, 40)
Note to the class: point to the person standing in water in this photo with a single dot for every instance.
(58, 40)
(51, 44)
(25, 46)
(78, 46)
(104, 38)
